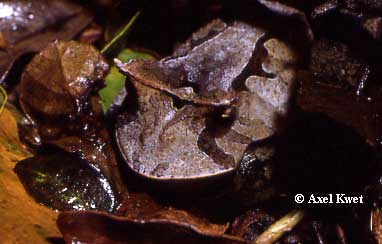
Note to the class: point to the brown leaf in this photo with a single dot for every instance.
(23, 220)
(339, 84)
(334, 63)
(341, 105)
(376, 224)
(140, 206)
(283, 9)
(251, 224)
(96, 149)
(29, 26)
(56, 92)
(166, 227)
(55, 85)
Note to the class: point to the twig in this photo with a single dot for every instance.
(277, 229)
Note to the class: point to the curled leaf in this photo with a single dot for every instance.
(93, 227)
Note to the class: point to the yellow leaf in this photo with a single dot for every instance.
(22, 219)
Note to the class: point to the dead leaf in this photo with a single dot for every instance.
(55, 85)
(100, 228)
(23, 220)
(29, 26)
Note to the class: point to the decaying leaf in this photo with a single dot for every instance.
(141, 206)
(206, 72)
(251, 224)
(23, 220)
(376, 224)
(97, 228)
(254, 177)
(341, 105)
(27, 129)
(56, 91)
(339, 84)
(29, 26)
(283, 9)
(64, 181)
(3, 98)
(333, 63)
(96, 149)
(55, 85)
(363, 13)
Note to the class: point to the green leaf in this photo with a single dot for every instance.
(115, 81)
(3, 98)
(121, 36)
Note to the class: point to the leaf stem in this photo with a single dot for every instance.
(120, 34)
(3, 98)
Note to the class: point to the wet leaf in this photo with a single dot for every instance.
(30, 26)
(27, 129)
(63, 181)
(251, 224)
(23, 220)
(96, 149)
(93, 227)
(254, 179)
(115, 81)
(376, 224)
(206, 73)
(57, 92)
(55, 85)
